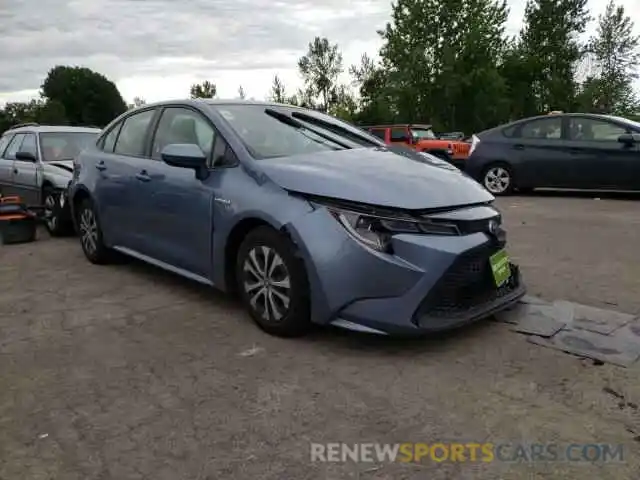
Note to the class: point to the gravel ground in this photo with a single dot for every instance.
(125, 372)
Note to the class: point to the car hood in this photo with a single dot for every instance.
(378, 176)
(61, 165)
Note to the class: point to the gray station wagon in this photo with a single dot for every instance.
(36, 163)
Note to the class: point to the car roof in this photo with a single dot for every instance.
(400, 125)
(601, 116)
(215, 101)
(52, 129)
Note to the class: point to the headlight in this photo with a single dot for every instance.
(376, 231)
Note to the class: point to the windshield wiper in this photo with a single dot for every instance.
(337, 129)
(286, 119)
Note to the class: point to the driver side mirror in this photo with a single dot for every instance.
(629, 138)
(26, 157)
(186, 155)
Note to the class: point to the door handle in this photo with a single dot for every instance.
(518, 146)
(101, 166)
(15, 170)
(143, 176)
(574, 150)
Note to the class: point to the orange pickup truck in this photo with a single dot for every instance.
(423, 139)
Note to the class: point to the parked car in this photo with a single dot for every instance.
(309, 219)
(422, 138)
(36, 163)
(559, 150)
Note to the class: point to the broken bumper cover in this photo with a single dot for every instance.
(429, 283)
(430, 316)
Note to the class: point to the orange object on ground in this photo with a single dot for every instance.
(17, 223)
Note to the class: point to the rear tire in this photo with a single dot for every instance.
(90, 235)
(498, 179)
(273, 283)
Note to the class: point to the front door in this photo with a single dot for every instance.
(7, 172)
(603, 161)
(6, 166)
(26, 174)
(177, 210)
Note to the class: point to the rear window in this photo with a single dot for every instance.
(378, 132)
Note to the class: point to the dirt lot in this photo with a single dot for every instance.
(125, 372)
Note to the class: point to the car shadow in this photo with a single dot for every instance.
(605, 195)
(343, 339)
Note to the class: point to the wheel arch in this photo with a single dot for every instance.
(236, 236)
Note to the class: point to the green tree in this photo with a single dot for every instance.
(446, 72)
(51, 112)
(38, 111)
(343, 104)
(551, 50)
(88, 97)
(205, 89)
(320, 69)
(278, 91)
(374, 100)
(614, 50)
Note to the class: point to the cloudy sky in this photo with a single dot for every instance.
(157, 48)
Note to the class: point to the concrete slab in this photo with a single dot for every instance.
(597, 320)
(533, 300)
(538, 325)
(583, 343)
(629, 332)
(560, 313)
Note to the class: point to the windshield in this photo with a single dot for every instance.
(420, 133)
(270, 131)
(64, 145)
(627, 121)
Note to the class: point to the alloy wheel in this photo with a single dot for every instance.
(88, 231)
(267, 283)
(497, 180)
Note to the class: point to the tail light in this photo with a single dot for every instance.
(474, 143)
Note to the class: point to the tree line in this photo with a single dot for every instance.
(445, 62)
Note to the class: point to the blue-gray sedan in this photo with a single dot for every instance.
(308, 218)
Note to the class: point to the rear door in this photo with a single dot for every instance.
(540, 154)
(601, 159)
(122, 211)
(26, 174)
(6, 166)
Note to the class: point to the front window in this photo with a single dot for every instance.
(422, 133)
(64, 145)
(270, 131)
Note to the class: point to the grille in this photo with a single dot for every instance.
(466, 285)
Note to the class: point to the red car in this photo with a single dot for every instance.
(423, 139)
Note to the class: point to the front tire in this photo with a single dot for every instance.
(273, 283)
(90, 235)
(54, 220)
(498, 179)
